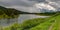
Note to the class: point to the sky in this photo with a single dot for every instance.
(31, 5)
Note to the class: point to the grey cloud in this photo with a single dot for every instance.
(3, 4)
(18, 3)
(21, 2)
(38, 0)
(23, 5)
(55, 3)
(26, 5)
(53, 0)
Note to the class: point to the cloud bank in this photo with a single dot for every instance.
(31, 5)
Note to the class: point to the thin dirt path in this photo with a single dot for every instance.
(50, 28)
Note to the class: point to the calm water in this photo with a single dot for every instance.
(20, 19)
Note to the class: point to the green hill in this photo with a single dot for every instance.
(9, 12)
(42, 24)
(51, 24)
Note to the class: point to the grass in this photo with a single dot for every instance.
(47, 24)
(51, 23)
(14, 26)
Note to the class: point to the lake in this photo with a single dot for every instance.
(20, 19)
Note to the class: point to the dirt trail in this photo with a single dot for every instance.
(50, 28)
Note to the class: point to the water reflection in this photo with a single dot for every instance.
(23, 17)
(6, 22)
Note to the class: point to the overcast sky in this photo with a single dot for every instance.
(31, 5)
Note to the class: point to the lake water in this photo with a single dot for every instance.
(20, 19)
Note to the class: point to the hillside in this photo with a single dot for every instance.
(9, 12)
(52, 23)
